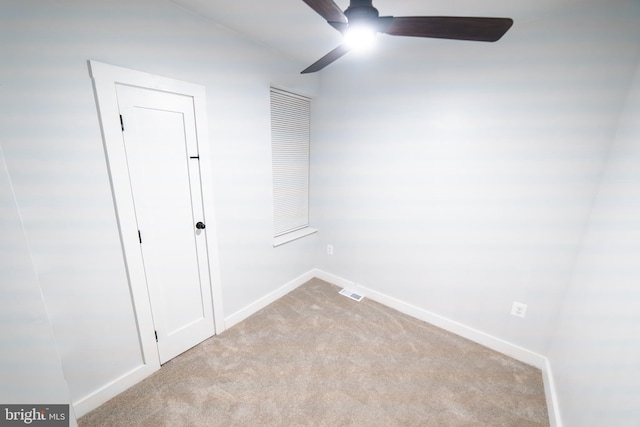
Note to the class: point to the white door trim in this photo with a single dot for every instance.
(104, 78)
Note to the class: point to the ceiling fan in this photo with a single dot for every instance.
(361, 21)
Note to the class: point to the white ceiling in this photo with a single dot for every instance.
(294, 29)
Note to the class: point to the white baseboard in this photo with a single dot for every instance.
(258, 305)
(333, 279)
(551, 395)
(88, 403)
(475, 335)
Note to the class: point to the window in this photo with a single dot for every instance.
(290, 129)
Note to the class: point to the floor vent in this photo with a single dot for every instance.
(352, 295)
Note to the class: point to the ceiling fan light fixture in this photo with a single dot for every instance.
(359, 37)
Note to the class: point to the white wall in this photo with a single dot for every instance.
(53, 148)
(30, 365)
(595, 353)
(459, 178)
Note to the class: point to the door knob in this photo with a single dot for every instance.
(200, 225)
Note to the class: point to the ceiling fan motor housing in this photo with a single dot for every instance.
(361, 10)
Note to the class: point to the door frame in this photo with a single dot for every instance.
(105, 77)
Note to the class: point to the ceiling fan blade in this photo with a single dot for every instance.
(327, 59)
(328, 10)
(449, 27)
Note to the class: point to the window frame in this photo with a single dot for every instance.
(286, 157)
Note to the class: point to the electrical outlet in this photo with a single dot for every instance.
(330, 249)
(519, 309)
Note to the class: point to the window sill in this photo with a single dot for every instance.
(294, 235)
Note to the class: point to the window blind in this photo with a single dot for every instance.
(290, 129)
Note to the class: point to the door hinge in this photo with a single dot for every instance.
(121, 123)
(139, 236)
(156, 335)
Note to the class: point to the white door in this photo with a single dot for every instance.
(160, 140)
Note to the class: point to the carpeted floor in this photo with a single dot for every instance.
(317, 358)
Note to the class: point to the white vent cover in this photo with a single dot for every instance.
(352, 295)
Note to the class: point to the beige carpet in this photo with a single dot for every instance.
(317, 358)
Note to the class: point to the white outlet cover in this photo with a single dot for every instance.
(519, 309)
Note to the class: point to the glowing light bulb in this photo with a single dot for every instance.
(360, 37)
